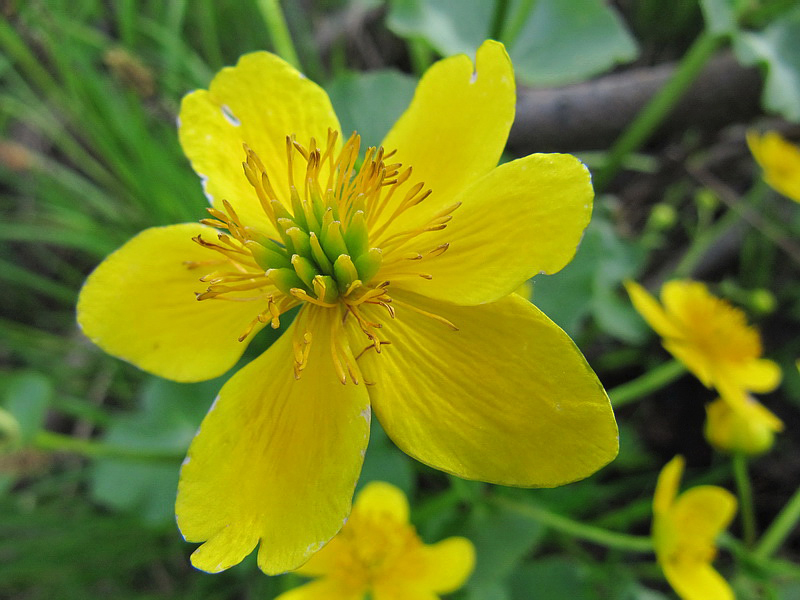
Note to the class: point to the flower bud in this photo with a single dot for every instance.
(749, 428)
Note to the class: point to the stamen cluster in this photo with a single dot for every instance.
(329, 249)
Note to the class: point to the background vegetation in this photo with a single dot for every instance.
(89, 92)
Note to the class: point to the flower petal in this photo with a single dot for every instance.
(669, 481)
(456, 127)
(381, 498)
(324, 589)
(507, 399)
(703, 512)
(275, 458)
(538, 206)
(759, 375)
(444, 567)
(398, 590)
(697, 581)
(139, 304)
(651, 311)
(258, 102)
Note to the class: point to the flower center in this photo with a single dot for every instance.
(334, 244)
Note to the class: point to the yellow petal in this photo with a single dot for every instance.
(696, 360)
(445, 567)
(507, 399)
(669, 480)
(693, 581)
(275, 457)
(527, 215)
(394, 590)
(651, 311)
(324, 589)
(258, 102)
(140, 305)
(780, 161)
(701, 513)
(456, 127)
(760, 375)
(384, 499)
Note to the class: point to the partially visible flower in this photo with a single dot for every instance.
(748, 428)
(709, 336)
(379, 552)
(685, 528)
(779, 159)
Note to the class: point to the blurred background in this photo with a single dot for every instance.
(89, 93)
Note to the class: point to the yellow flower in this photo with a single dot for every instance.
(748, 428)
(379, 552)
(780, 161)
(403, 270)
(709, 336)
(685, 528)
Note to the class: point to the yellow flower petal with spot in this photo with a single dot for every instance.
(378, 552)
(780, 160)
(448, 401)
(685, 527)
(140, 305)
(239, 107)
(403, 265)
(248, 474)
(709, 336)
(545, 223)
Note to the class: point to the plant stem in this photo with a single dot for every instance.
(651, 116)
(278, 31)
(745, 491)
(603, 537)
(49, 440)
(653, 380)
(498, 19)
(780, 528)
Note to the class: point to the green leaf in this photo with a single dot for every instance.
(565, 42)
(502, 540)
(386, 462)
(167, 420)
(556, 43)
(589, 284)
(553, 577)
(370, 102)
(449, 26)
(27, 397)
(776, 50)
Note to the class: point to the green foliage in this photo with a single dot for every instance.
(550, 42)
(168, 416)
(776, 51)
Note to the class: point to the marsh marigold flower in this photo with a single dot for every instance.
(685, 528)
(709, 336)
(779, 159)
(379, 552)
(403, 267)
(748, 428)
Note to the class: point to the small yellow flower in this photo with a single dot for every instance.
(685, 528)
(748, 428)
(379, 552)
(403, 271)
(780, 161)
(709, 336)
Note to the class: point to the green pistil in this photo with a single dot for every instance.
(317, 253)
